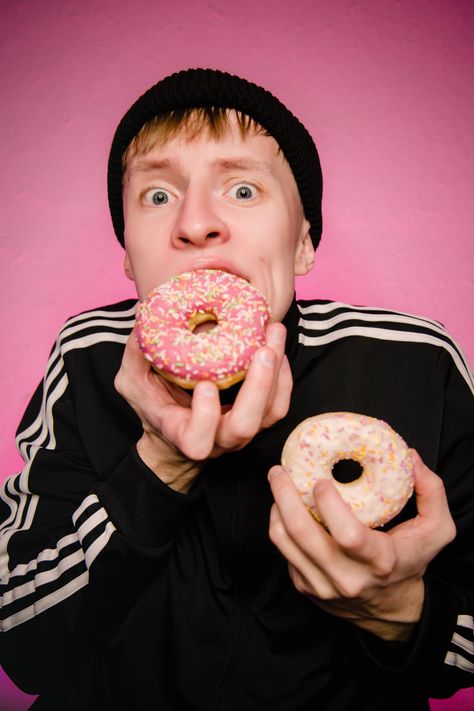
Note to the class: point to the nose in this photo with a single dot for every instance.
(199, 221)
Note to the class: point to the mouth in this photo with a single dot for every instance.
(221, 265)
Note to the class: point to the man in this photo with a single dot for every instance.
(148, 563)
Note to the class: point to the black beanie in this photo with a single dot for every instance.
(195, 88)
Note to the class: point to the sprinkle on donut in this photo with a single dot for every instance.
(386, 481)
(166, 321)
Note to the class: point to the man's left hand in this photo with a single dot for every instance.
(372, 578)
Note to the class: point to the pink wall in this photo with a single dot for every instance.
(384, 88)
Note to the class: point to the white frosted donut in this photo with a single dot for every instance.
(166, 321)
(386, 481)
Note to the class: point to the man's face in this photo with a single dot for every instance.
(229, 203)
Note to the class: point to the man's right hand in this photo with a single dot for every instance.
(181, 432)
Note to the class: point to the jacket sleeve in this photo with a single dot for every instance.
(75, 548)
(440, 655)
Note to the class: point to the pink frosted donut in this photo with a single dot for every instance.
(166, 321)
(386, 481)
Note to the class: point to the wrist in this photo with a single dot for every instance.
(167, 463)
(391, 615)
(386, 630)
(396, 614)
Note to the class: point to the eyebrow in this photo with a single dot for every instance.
(245, 163)
(147, 166)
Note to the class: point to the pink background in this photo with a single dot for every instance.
(384, 87)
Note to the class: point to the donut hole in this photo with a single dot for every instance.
(347, 470)
(202, 322)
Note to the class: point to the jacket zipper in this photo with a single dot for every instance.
(238, 606)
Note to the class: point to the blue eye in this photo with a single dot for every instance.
(156, 196)
(243, 191)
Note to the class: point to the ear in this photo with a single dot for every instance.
(127, 268)
(304, 253)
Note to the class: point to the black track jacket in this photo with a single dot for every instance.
(119, 593)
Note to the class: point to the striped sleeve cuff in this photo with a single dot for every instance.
(429, 647)
(461, 649)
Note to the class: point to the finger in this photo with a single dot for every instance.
(265, 396)
(357, 539)
(418, 540)
(345, 543)
(328, 578)
(193, 431)
(276, 339)
(244, 420)
(350, 568)
(281, 395)
(299, 524)
(305, 574)
(133, 361)
(431, 500)
(137, 384)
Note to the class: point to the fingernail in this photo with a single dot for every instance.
(414, 456)
(274, 472)
(320, 486)
(276, 337)
(265, 358)
(207, 389)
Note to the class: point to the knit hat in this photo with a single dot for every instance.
(195, 88)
